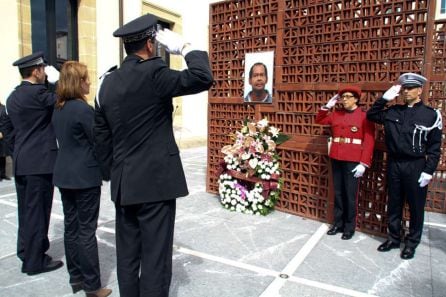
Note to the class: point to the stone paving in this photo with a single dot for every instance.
(218, 253)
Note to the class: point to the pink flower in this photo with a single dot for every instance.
(242, 190)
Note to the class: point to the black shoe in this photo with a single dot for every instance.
(52, 265)
(407, 253)
(5, 178)
(347, 235)
(388, 245)
(335, 230)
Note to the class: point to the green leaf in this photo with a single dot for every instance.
(281, 138)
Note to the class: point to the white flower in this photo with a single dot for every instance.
(253, 163)
(262, 123)
(246, 156)
(274, 131)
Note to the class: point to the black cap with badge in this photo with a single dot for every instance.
(140, 28)
(35, 59)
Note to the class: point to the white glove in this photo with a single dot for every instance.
(332, 102)
(392, 92)
(173, 42)
(424, 179)
(358, 170)
(52, 74)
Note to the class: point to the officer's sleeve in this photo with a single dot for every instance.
(368, 143)
(46, 97)
(195, 79)
(377, 113)
(103, 145)
(433, 150)
(323, 117)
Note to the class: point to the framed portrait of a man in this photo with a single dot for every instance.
(259, 71)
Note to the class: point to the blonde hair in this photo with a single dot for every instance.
(69, 85)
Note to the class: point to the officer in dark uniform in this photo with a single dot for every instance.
(136, 147)
(413, 139)
(29, 109)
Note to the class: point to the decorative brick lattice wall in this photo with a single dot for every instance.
(320, 46)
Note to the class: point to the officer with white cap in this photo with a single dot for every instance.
(137, 149)
(413, 139)
(30, 135)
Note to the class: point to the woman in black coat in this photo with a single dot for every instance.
(78, 177)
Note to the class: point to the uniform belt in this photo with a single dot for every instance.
(347, 140)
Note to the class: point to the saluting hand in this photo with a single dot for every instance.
(332, 102)
(173, 42)
(358, 170)
(392, 92)
(52, 74)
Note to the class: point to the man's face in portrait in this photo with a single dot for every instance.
(258, 79)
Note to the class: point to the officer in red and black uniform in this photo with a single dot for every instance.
(351, 151)
(413, 139)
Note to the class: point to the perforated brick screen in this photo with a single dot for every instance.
(319, 46)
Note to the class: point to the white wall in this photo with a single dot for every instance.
(107, 21)
(196, 30)
(132, 9)
(9, 75)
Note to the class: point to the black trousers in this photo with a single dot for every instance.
(81, 211)
(2, 167)
(346, 194)
(35, 199)
(144, 239)
(402, 183)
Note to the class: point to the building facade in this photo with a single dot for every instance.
(83, 30)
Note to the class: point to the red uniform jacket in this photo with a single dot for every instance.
(348, 128)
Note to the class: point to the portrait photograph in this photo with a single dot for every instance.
(259, 68)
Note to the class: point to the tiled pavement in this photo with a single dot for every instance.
(220, 253)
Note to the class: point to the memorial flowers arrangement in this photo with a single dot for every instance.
(250, 179)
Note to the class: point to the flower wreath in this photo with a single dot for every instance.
(250, 181)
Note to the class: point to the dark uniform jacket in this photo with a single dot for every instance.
(133, 126)
(28, 129)
(4, 151)
(347, 126)
(76, 165)
(402, 138)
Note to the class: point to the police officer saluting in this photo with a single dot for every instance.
(29, 132)
(413, 139)
(136, 147)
